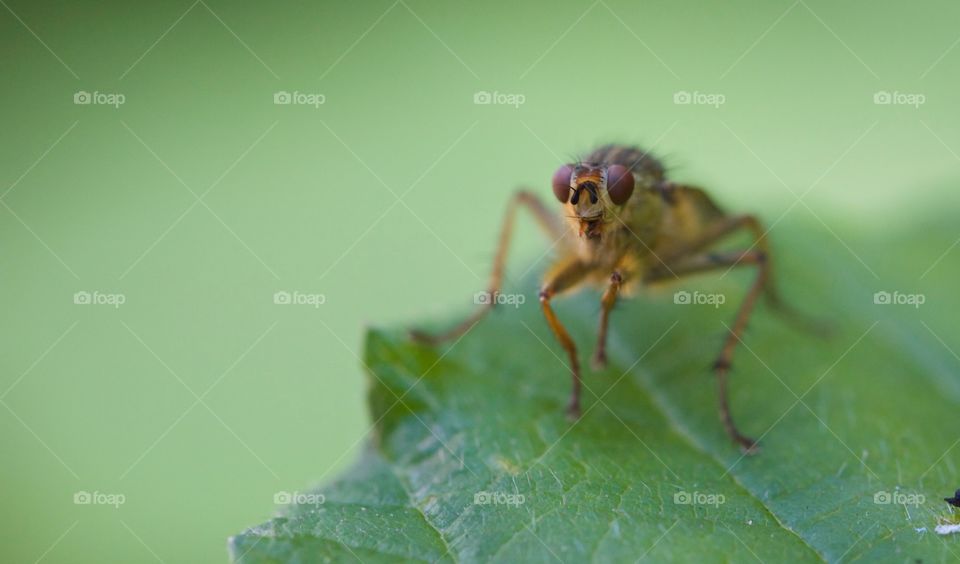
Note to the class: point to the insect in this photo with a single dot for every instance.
(627, 225)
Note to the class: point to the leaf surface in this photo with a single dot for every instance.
(473, 460)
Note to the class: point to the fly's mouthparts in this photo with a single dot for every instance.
(590, 227)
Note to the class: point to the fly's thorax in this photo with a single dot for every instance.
(641, 219)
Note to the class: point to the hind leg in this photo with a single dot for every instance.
(721, 366)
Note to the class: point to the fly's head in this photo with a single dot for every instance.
(594, 194)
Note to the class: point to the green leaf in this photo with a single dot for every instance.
(846, 423)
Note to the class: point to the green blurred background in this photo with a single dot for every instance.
(200, 398)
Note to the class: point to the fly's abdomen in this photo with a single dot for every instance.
(640, 162)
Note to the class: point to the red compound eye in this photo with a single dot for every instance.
(619, 184)
(561, 183)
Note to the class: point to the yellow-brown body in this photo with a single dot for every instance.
(625, 224)
(658, 220)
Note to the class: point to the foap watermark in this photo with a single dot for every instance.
(698, 498)
(683, 297)
(898, 498)
(898, 298)
(99, 498)
(97, 297)
(297, 98)
(299, 498)
(96, 98)
(499, 498)
(484, 98)
(297, 297)
(499, 298)
(697, 98)
(895, 98)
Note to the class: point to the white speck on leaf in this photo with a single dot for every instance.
(948, 528)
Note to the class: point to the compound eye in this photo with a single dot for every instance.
(619, 184)
(561, 183)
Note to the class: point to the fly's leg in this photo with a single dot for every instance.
(548, 221)
(565, 276)
(607, 302)
(722, 365)
(721, 228)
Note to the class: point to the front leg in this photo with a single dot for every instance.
(607, 302)
(549, 222)
(563, 278)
